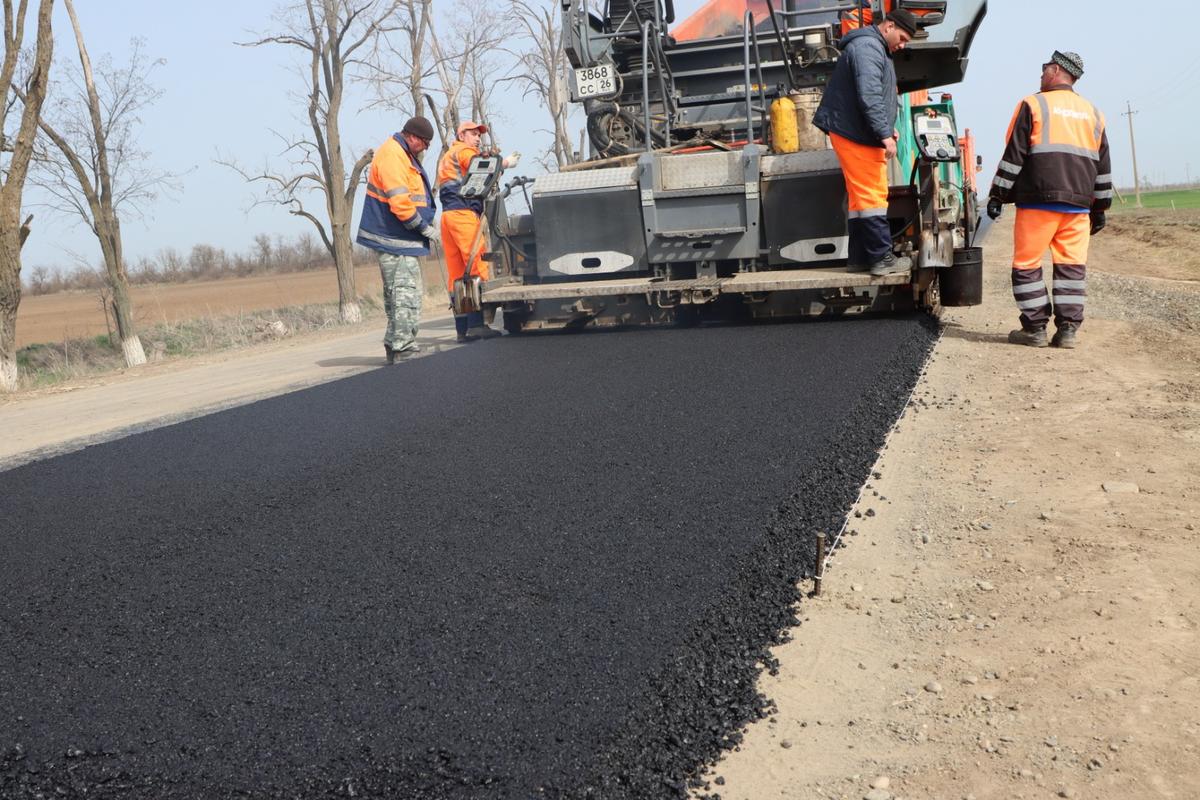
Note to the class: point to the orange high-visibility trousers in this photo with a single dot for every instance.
(459, 230)
(1066, 236)
(864, 169)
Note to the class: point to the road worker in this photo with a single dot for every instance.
(858, 111)
(397, 221)
(1056, 169)
(462, 237)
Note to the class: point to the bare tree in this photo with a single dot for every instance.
(466, 73)
(336, 36)
(98, 172)
(542, 69)
(400, 71)
(15, 154)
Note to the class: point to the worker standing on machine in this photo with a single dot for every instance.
(397, 220)
(858, 111)
(461, 227)
(1056, 169)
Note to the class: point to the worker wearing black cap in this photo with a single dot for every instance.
(1056, 169)
(858, 110)
(397, 221)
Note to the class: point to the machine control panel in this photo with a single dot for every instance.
(936, 137)
(482, 176)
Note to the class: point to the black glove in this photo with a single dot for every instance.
(994, 207)
(1098, 222)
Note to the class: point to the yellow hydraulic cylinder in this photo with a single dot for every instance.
(785, 134)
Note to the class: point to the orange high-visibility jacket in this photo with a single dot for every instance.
(399, 202)
(452, 170)
(1057, 152)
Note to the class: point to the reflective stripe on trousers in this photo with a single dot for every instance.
(1029, 290)
(1070, 293)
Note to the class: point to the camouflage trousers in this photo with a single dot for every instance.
(402, 293)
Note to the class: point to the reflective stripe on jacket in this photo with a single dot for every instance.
(452, 170)
(399, 202)
(1057, 152)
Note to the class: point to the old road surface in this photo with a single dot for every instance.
(544, 566)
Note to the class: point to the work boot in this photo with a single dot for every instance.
(1064, 337)
(406, 352)
(1031, 338)
(890, 265)
(483, 332)
(390, 354)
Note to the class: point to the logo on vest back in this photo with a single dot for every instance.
(1071, 113)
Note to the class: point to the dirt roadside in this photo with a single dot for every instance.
(1016, 613)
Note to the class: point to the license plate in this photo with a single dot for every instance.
(595, 81)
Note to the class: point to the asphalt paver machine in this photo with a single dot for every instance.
(707, 193)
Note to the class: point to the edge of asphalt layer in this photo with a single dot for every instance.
(698, 706)
(693, 708)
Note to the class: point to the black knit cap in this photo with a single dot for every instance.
(905, 20)
(419, 127)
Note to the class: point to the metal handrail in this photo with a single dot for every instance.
(781, 38)
(646, 85)
(748, 34)
(747, 24)
(762, 89)
(847, 6)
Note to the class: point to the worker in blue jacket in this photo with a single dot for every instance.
(858, 110)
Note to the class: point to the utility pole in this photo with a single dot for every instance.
(1137, 187)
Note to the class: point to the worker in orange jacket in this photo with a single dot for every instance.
(1056, 168)
(397, 222)
(462, 241)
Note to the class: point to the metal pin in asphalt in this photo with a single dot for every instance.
(819, 572)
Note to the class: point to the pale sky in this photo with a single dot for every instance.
(221, 99)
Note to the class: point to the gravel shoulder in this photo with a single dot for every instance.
(1016, 612)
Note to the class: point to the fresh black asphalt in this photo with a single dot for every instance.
(541, 566)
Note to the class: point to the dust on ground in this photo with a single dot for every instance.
(1016, 613)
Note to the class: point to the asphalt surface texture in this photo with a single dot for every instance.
(537, 566)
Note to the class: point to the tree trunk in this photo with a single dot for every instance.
(109, 232)
(10, 298)
(12, 178)
(343, 258)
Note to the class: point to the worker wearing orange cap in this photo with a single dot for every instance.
(461, 240)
